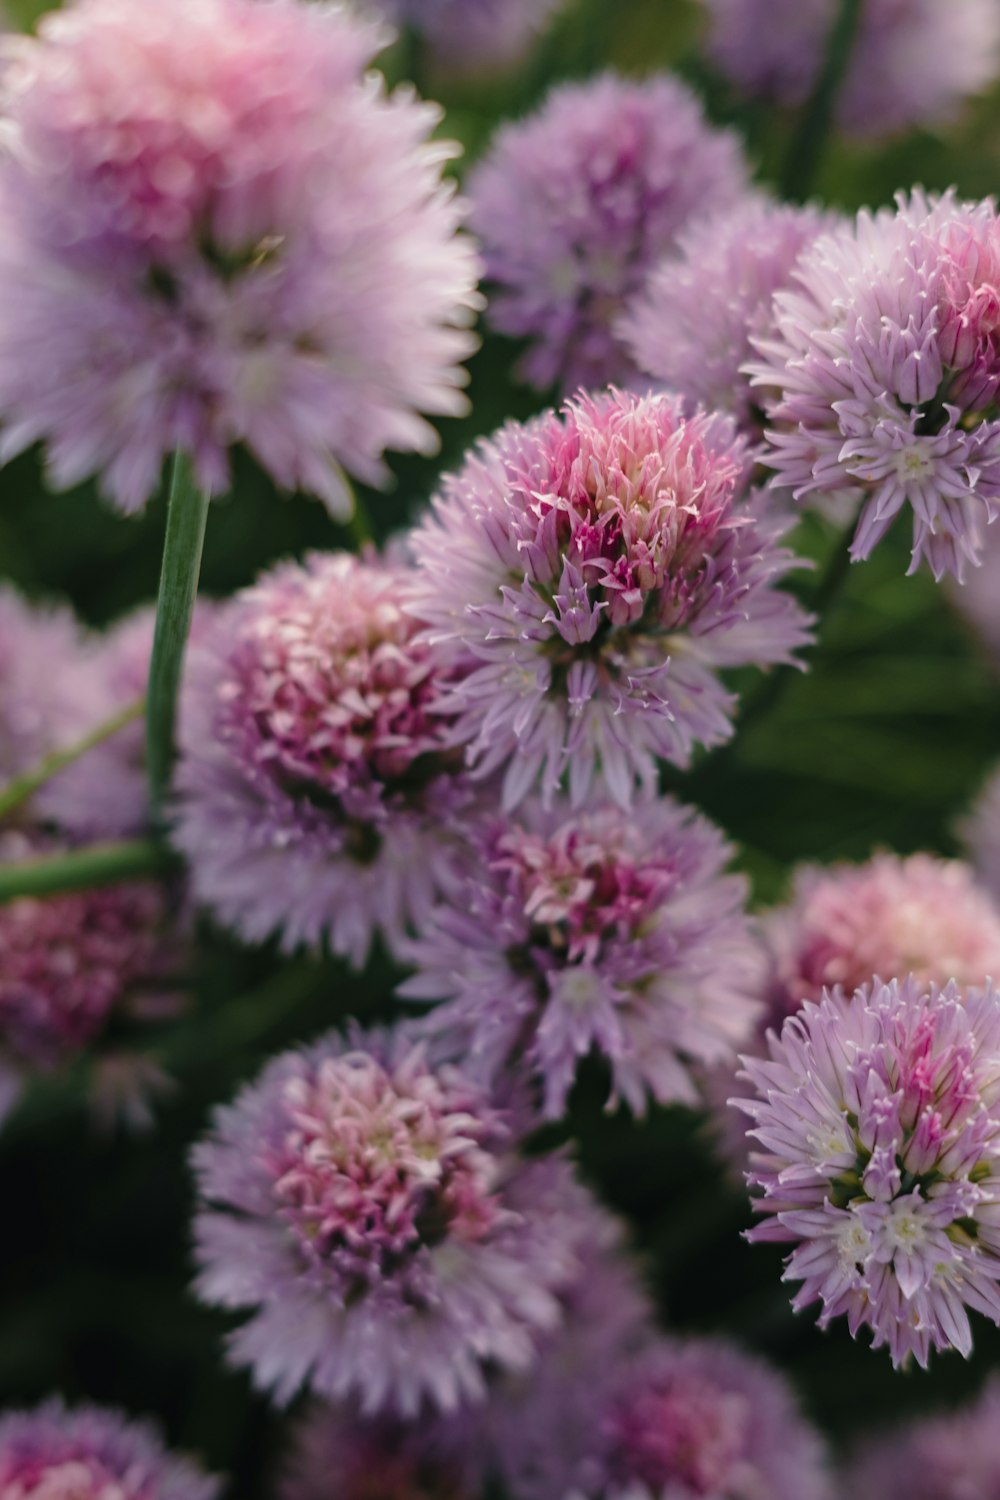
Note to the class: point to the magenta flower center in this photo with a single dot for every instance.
(377, 1167)
(686, 1433)
(83, 1478)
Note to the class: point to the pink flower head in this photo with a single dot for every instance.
(576, 204)
(588, 574)
(913, 63)
(696, 1421)
(878, 1119)
(316, 776)
(980, 832)
(691, 325)
(222, 231)
(54, 1453)
(471, 36)
(46, 682)
(71, 966)
(370, 1210)
(882, 377)
(953, 1456)
(601, 931)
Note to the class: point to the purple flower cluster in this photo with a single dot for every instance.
(471, 36)
(318, 783)
(54, 1453)
(587, 576)
(601, 931)
(222, 231)
(371, 1212)
(882, 377)
(914, 62)
(576, 204)
(945, 1457)
(878, 1122)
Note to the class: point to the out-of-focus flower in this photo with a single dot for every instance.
(588, 575)
(980, 832)
(73, 966)
(683, 1421)
(371, 1212)
(954, 1456)
(913, 63)
(878, 1119)
(691, 325)
(46, 682)
(221, 231)
(471, 36)
(604, 932)
(317, 789)
(577, 203)
(55, 1453)
(339, 1454)
(884, 371)
(890, 916)
(977, 600)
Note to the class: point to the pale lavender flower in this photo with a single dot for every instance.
(370, 1212)
(79, 968)
(471, 36)
(948, 1456)
(574, 206)
(316, 787)
(339, 1454)
(588, 575)
(691, 325)
(914, 62)
(696, 1420)
(890, 916)
(222, 231)
(980, 832)
(878, 1119)
(46, 681)
(884, 371)
(91, 1453)
(605, 932)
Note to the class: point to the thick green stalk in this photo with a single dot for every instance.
(187, 514)
(17, 792)
(102, 864)
(809, 143)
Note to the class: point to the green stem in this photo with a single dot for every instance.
(21, 788)
(186, 517)
(102, 864)
(809, 143)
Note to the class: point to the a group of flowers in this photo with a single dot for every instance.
(225, 231)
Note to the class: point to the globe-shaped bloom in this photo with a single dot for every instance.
(471, 36)
(691, 325)
(951, 1456)
(602, 932)
(878, 1122)
(77, 971)
(371, 1213)
(883, 374)
(698, 1420)
(339, 1453)
(316, 785)
(890, 916)
(222, 232)
(913, 62)
(577, 203)
(588, 574)
(57, 1453)
(980, 832)
(46, 682)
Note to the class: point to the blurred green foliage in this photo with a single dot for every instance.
(881, 744)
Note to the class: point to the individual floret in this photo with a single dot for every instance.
(588, 575)
(222, 231)
(878, 1122)
(370, 1213)
(576, 204)
(603, 932)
